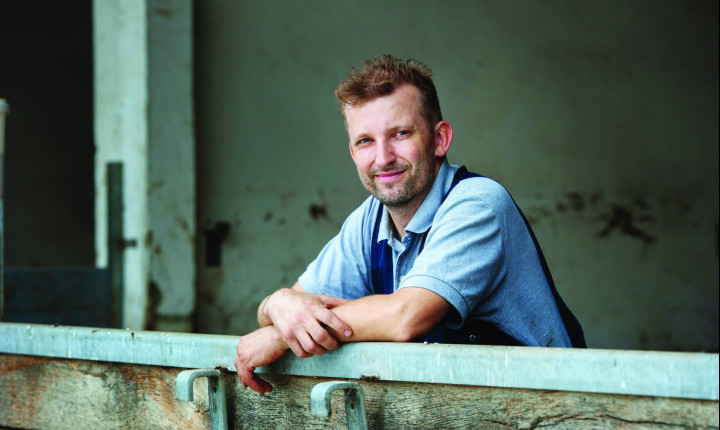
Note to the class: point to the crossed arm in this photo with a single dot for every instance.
(311, 324)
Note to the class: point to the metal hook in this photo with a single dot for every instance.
(354, 402)
(216, 394)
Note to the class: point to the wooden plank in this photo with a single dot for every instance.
(47, 393)
(395, 405)
(39, 392)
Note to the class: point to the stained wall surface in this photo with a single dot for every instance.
(601, 118)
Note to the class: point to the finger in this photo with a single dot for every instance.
(331, 320)
(254, 382)
(297, 349)
(322, 337)
(330, 301)
(237, 370)
(300, 342)
(309, 346)
(258, 385)
(295, 345)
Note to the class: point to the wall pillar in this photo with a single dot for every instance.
(144, 119)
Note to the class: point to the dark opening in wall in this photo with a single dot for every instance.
(47, 79)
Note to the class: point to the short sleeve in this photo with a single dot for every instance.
(342, 267)
(464, 259)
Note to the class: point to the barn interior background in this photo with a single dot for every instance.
(601, 118)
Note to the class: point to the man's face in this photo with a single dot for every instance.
(393, 147)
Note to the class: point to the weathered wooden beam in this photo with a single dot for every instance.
(47, 393)
(52, 393)
(645, 373)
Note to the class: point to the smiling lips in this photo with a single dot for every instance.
(389, 176)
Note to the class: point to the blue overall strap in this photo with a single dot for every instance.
(381, 267)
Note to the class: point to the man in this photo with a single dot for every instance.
(435, 253)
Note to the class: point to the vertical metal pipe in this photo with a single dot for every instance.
(116, 242)
(4, 110)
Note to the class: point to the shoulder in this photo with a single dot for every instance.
(366, 212)
(362, 218)
(479, 191)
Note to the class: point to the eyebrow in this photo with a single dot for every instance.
(391, 130)
(361, 136)
(411, 127)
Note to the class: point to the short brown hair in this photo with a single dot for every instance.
(380, 77)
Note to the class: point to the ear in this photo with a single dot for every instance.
(352, 152)
(443, 138)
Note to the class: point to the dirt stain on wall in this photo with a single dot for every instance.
(623, 220)
(318, 211)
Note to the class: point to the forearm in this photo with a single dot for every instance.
(399, 317)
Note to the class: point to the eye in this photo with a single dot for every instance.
(363, 142)
(402, 133)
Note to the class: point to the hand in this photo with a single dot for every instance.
(261, 347)
(303, 320)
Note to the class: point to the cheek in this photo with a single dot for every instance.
(411, 155)
(363, 160)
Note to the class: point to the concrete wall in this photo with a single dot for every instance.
(599, 117)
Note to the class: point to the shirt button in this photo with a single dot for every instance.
(472, 338)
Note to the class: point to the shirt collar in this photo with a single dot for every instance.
(423, 218)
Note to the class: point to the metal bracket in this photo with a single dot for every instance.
(216, 394)
(354, 402)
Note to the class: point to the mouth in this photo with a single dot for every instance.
(389, 176)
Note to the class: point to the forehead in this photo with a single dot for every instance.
(401, 107)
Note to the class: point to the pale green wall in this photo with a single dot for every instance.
(595, 115)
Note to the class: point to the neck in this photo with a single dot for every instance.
(401, 216)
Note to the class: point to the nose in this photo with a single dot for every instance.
(385, 153)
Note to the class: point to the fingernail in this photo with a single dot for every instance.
(348, 333)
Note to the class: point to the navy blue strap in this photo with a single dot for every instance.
(381, 259)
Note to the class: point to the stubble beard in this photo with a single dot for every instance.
(417, 183)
